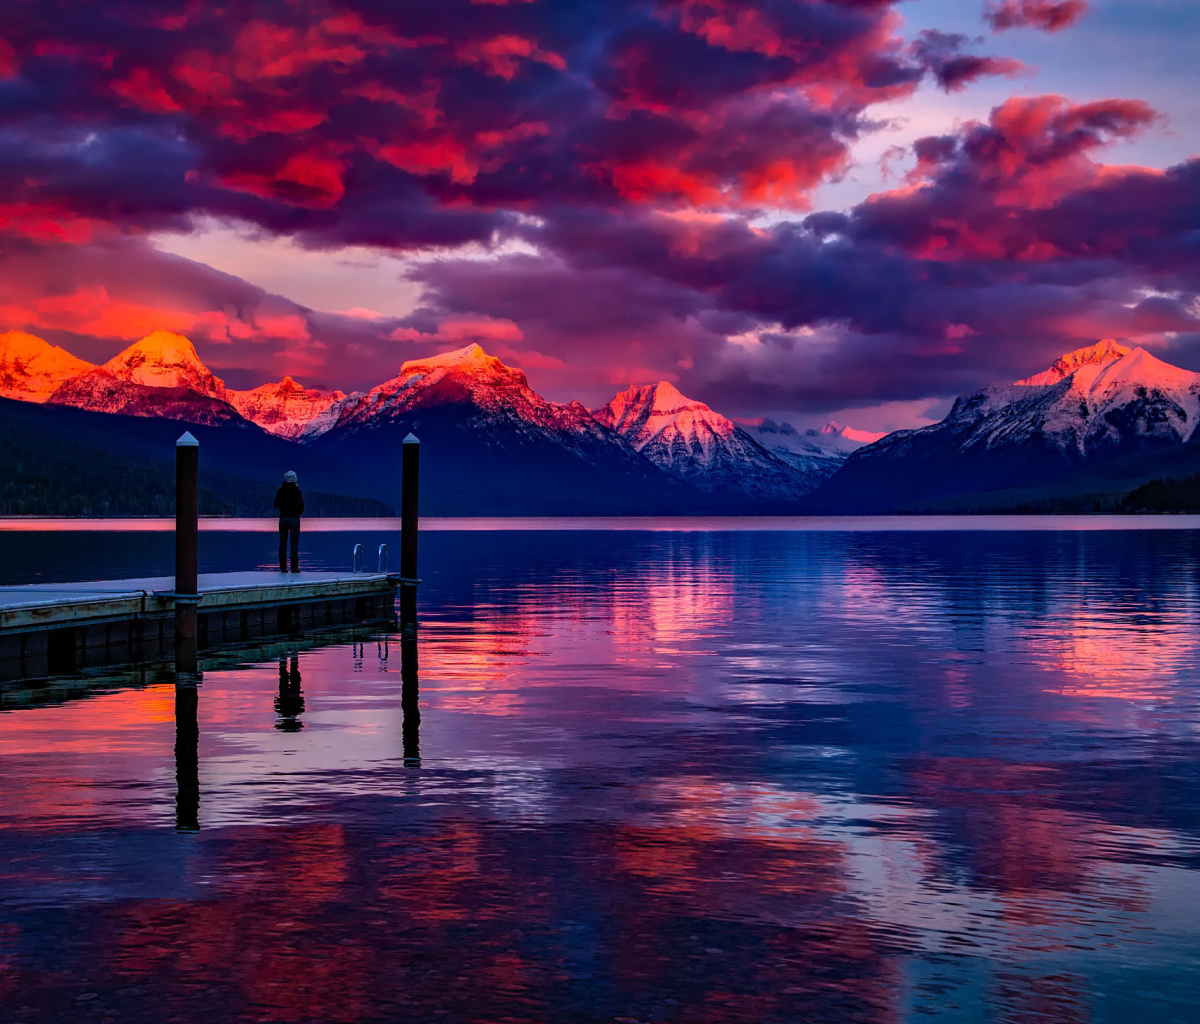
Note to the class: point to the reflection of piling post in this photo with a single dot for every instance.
(410, 704)
(409, 472)
(187, 536)
(187, 758)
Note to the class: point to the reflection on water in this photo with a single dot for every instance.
(668, 777)
(289, 705)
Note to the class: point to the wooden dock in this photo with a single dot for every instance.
(60, 628)
(55, 628)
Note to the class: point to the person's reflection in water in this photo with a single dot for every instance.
(289, 705)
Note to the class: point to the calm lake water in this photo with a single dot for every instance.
(714, 774)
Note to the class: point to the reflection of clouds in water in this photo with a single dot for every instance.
(672, 609)
(840, 767)
(1102, 654)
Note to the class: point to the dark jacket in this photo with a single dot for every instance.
(290, 501)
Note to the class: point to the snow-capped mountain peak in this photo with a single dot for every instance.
(287, 409)
(1098, 356)
(816, 453)
(31, 369)
(645, 413)
(859, 437)
(164, 359)
(687, 439)
(471, 357)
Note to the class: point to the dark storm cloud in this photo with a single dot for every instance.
(1011, 244)
(414, 124)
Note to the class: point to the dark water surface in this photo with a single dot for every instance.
(658, 776)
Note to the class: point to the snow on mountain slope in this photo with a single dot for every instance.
(492, 446)
(165, 360)
(497, 395)
(286, 409)
(690, 441)
(31, 368)
(1090, 401)
(817, 452)
(160, 376)
(98, 391)
(1093, 406)
(1098, 355)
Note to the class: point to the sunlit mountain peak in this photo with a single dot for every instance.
(835, 429)
(646, 411)
(688, 440)
(471, 358)
(1098, 355)
(471, 368)
(164, 359)
(31, 368)
(287, 409)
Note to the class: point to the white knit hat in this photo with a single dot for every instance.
(289, 477)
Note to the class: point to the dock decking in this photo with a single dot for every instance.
(50, 628)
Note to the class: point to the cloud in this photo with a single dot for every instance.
(628, 176)
(1048, 15)
(96, 298)
(941, 53)
(1010, 243)
(412, 125)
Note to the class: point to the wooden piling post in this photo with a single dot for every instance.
(410, 701)
(409, 474)
(187, 759)
(187, 537)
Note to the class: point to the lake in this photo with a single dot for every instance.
(675, 771)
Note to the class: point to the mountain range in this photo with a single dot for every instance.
(1095, 425)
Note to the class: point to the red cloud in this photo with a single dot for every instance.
(47, 222)
(502, 55)
(305, 179)
(9, 61)
(143, 88)
(379, 111)
(455, 330)
(979, 191)
(1050, 15)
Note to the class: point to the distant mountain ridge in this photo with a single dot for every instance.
(1099, 419)
(1096, 424)
(816, 453)
(505, 448)
(688, 440)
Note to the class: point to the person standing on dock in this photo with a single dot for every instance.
(290, 501)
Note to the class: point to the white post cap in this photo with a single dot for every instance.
(412, 439)
(187, 441)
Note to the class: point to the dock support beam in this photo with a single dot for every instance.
(187, 537)
(410, 472)
(410, 700)
(187, 758)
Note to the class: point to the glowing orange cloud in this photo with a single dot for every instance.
(93, 311)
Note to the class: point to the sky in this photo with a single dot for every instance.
(808, 209)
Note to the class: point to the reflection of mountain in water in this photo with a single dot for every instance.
(663, 776)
